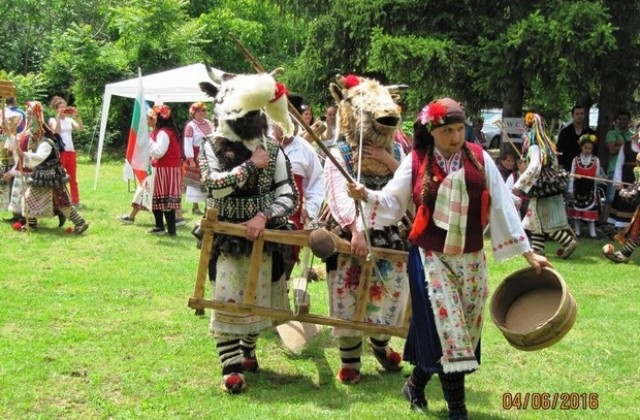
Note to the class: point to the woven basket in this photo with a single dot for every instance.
(533, 311)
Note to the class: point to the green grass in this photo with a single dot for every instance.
(97, 326)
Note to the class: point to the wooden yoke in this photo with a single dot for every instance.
(210, 225)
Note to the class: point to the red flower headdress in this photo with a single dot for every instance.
(351, 80)
(163, 110)
(198, 106)
(432, 114)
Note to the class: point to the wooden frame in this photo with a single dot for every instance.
(210, 225)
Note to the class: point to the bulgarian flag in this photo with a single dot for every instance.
(137, 147)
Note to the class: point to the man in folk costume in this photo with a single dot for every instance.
(629, 236)
(457, 190)
(546, 214)
(367, 111)
(47, 194)
(250, 182)
(197, 129)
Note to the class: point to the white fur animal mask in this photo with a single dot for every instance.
(235, 96)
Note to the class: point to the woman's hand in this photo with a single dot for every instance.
(359, 244)
(357, 191)
(537, 261)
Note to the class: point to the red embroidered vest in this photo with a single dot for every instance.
(434, 237)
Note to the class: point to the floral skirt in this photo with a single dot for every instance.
(388, 293)
(231, 281)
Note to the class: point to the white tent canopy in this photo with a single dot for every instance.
(177, 85)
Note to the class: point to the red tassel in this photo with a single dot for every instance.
(485, 202)
(420, 223)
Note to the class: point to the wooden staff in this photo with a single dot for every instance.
(595, 178)
(506, 135)
(293, 111)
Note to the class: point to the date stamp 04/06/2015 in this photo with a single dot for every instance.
(550, 401)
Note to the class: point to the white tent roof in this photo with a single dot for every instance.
(177, 85)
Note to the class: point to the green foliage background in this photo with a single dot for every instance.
(543, 55)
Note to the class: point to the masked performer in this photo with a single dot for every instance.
(367, 111)
(47, 193)
(545, 183)
(629, 237)
(250, 182)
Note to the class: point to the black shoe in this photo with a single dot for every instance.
(14, 219)
(157, 231)
(61, 219)
(417, 399)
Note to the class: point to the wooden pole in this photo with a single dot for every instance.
(506, 135)
(284, 315)
(609, 181)
(293, 111)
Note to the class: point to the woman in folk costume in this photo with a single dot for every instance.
(368, 119)
(47, 194)
(629, 237)
(250, 182)
(545, 183)
(583, 199)
(451, 182)
(197, 129)
(164, 149)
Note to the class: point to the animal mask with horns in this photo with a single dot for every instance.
(367, 108)
(239, 102)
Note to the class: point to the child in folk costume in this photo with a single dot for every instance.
(451, 182)
(545, 183)
(194, 132)
(629, 237)
(47, 194)
(583, 200)
(388, 291)
(250, 182)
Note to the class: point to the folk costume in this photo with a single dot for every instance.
(629, 237)
(47, 194)
(584, 206)
(622, 210)
(545, 183)
(242, 192)
(164, 149)
(388, 292)
(11, 122)
(455, 197)
(194, 133)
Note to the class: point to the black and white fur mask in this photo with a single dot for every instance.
(241, 102)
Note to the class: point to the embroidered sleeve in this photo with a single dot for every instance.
(342, 206)
(387, 206)
(508, 238)
(188, 141)
(222, 183)
(531, 174)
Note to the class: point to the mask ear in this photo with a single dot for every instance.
(209, 88)
(336, 92)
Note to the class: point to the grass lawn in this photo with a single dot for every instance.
(97, 326)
